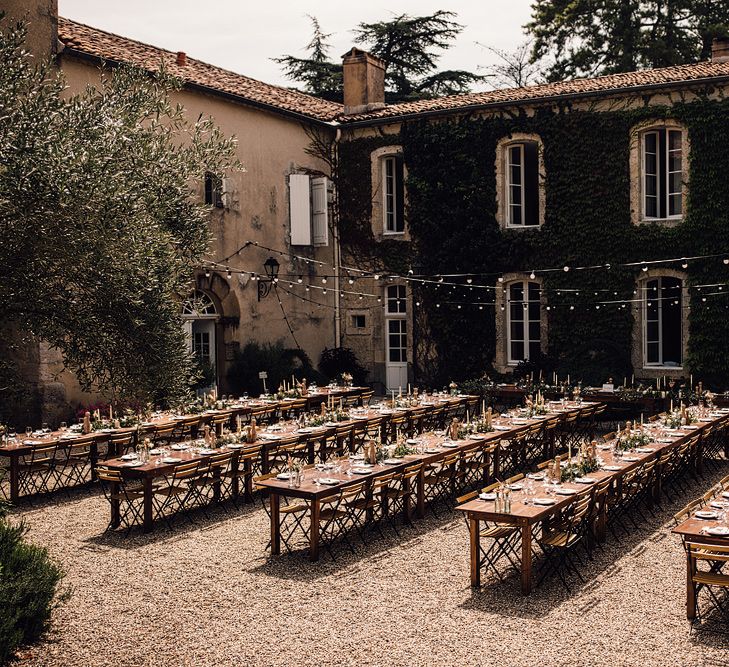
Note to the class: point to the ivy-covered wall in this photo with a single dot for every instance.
(451, 216)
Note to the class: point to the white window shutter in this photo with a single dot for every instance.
(320, 211)
(225, 193)
(300, 209)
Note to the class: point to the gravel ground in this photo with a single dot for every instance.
(206, 595)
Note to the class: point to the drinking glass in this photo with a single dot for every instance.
(63, 426)
(12, 433)
(29, 431)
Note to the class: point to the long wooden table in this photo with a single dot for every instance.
(268, 442)
(312, 494)
(526, 517)
(21, 447)
(692, 530)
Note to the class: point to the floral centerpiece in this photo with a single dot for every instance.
(629, 440)
(346, 379)
(402, 449)
(673, 419)
(453, 387)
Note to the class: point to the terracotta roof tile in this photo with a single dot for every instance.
(108, 46)
(679, 74)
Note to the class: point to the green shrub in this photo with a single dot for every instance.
(29, 582)
(280, 363)
(337, 360)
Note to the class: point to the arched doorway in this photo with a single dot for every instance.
(200, 317)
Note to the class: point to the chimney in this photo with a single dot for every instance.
(181, 58)
(720, 50)
(364, 82)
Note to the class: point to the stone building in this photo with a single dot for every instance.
(366, 235)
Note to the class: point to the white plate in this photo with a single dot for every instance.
(235, 445)
(412, 441)
(487, 496)
(331, 424)
(720, 531)
(631, 459)
(537, 476)
(171, 459)
(179, 448)
(499, 427)
(392, 462)
(361, 471)
(566, 492)
(706, 515)
(475, 436)
(585, 480)
(515, 487)
(282, 475)
(544, 501)
(612, 468)
(644, 450)
(207, 451)
(725, 494)
(269, 436)
(132, 464)
(450, 444)
(154, 451)
(128, 457)
(329, 481)
(432, 450)
(305, 430)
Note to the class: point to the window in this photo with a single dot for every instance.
(522, 184)
(524, 321)
(213, 190)
(396, 323)
(201, 346)
(393, 194)
(359, 322)
(396, 300)
(663, 322)
(662, 173)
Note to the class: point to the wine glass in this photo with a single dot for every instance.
(63, 427)
(29, 431)
(12, 433)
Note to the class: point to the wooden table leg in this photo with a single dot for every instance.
(14, 477)
(475, 530)
(115, 505)
(314, 531)
(421, 493)
(248, 479)
(148, 493)
(275, 525)
(526, 559)
(690, 590)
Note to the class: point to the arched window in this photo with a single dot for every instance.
(519, 173)
(659, 171)
(199, 305)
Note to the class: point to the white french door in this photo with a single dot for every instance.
(396, 338)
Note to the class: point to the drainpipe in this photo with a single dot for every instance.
(337, 255)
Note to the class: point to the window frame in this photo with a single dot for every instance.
(645, 301)
(666, 199)
(393, 192)
(398, 314)
(532, 187)
(213, 190)
(526, 321)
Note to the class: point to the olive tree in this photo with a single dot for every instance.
(100, 229)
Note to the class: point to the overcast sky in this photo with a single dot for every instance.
(243, 36)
